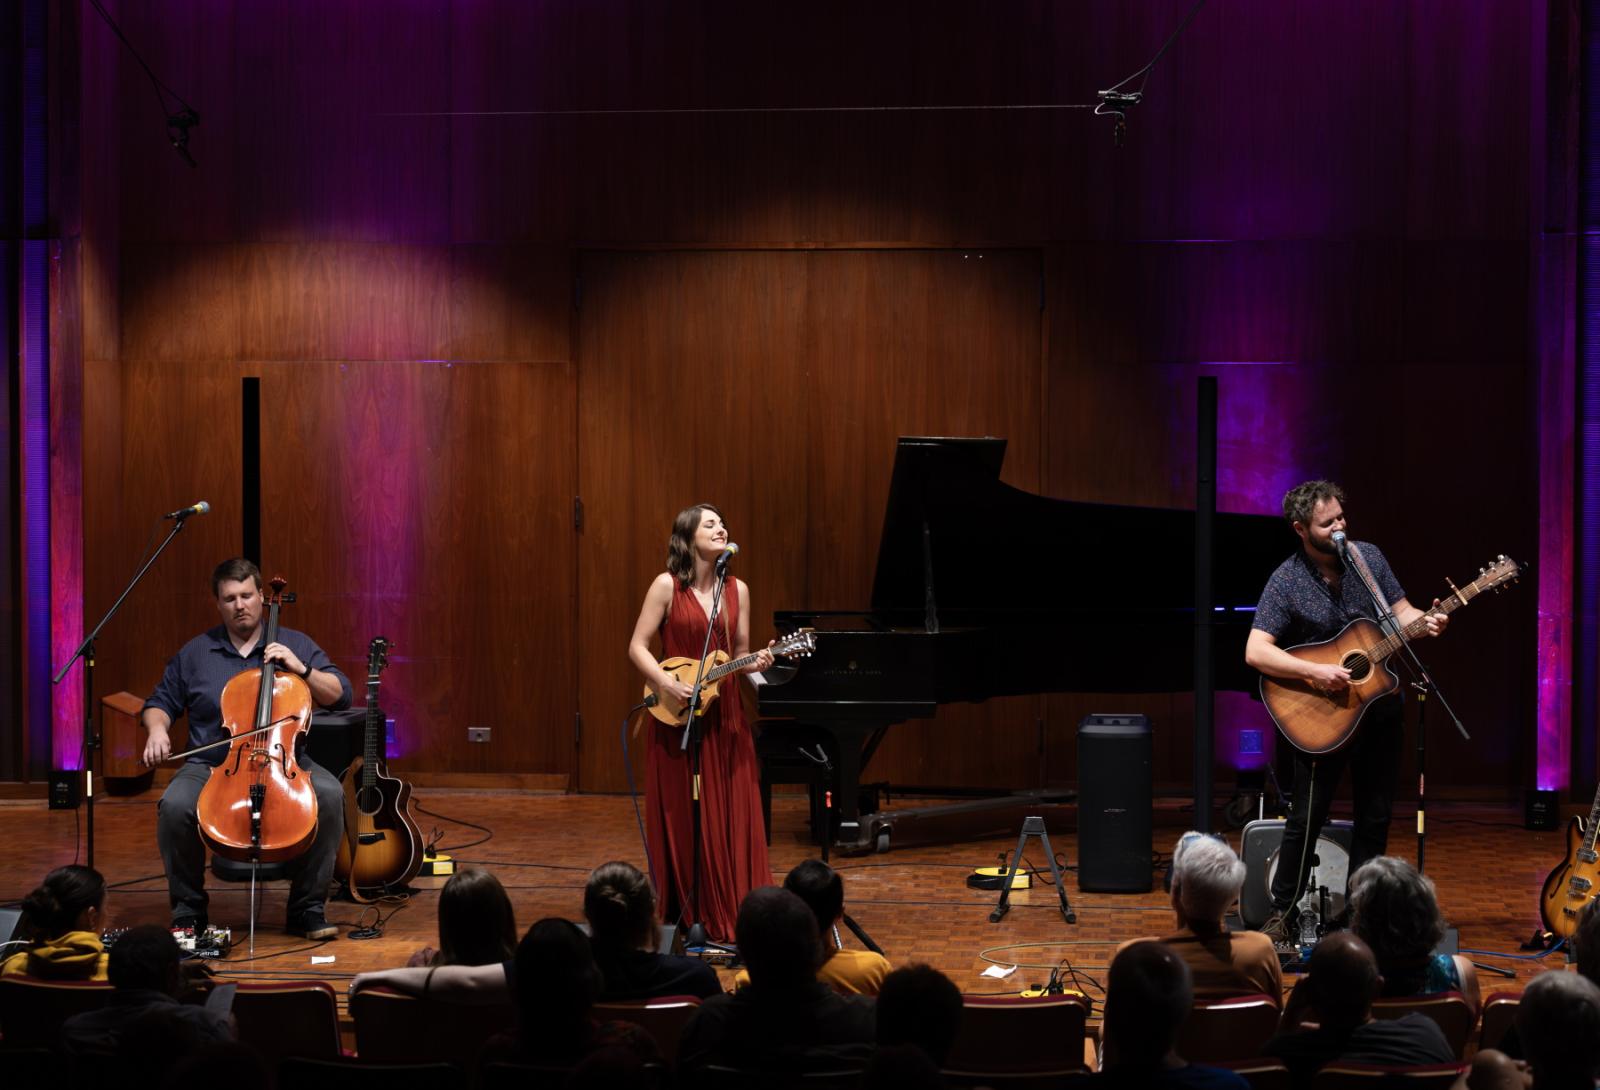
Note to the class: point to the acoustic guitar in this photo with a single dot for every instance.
(1571, 885)
(673, 712)
(382, 846)
(1319, 722)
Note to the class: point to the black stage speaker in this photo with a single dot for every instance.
(1114, 804)
(1260, 852)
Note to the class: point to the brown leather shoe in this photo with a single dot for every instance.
(313, 925)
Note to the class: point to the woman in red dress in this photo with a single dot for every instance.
(733, 848)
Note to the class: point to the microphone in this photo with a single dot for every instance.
(1341, 543)
(728, 554)
(193, 509)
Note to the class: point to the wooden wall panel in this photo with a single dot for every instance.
(343, 301)
(691, 388)
(814, 363)
(923, 343)
(181, 303)
(429, 503)
(510, 302)
(179, 444)
(1311, 199)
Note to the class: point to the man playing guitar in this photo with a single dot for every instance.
(1308, 599)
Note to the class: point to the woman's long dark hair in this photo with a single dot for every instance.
(621, 909)
(680, 545)
(51, 910)
(477, 924)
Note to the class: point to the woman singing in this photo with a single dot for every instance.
(733, 855)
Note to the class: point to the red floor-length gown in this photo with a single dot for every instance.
(733, 858)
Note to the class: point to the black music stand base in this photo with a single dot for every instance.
(1033, 825)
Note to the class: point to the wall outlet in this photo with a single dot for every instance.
(477, 734)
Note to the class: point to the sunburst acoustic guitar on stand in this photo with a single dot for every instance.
(1319, 722)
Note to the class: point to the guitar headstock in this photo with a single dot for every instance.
(1497, 573)
(377, 655)
(797, 644)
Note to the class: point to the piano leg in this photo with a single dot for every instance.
(848, 762)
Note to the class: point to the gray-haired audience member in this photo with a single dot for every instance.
(1395, 910)
(1148, 995)
(1559, 1022)
(1206, 879)
(1341, 982)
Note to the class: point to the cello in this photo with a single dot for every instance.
(259, 805)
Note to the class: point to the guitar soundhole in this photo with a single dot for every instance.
(1358, 665)
(369, 800)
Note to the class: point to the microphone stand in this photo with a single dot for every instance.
(696, 934)
(1422, 682)
(85, 651)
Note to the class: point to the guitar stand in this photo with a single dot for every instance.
(1032, 825)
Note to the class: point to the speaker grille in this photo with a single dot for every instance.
(1114, 804)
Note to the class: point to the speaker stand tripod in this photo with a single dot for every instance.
(1032, 825)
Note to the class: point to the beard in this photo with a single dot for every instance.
(1326, 548)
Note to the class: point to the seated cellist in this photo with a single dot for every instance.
(192, 685)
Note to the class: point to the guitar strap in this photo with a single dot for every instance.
(1359, 562)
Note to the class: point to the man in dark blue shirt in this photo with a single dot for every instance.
(1309, 599)
(192, 685)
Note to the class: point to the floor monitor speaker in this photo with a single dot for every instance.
(1331, 866)
(1114, 804)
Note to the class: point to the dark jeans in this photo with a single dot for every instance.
(1374, 762)
(183, 853)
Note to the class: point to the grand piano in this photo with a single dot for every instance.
(1110, 607)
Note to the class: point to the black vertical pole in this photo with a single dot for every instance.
(250, 470)
(1205, 510)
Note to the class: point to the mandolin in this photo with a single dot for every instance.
(382, 846)
(1318, 722)
(669, 710)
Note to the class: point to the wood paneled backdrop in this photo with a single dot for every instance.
(470, 303)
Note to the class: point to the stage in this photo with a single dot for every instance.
(912, 900)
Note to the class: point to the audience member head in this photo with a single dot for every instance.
(557, 983)
(901, 1067)
(1343, 980)
(778, 940)
(1559, 1023)
(477, 925)
(1585, 940)
(145, 958)
(919, 1005)
(70, 898)
(1148, 995)
(822, 889)
(620, 907)
(1395, 911)
(1206, 879)
(1494, 1070)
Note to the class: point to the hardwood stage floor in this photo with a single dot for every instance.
(912, 899)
